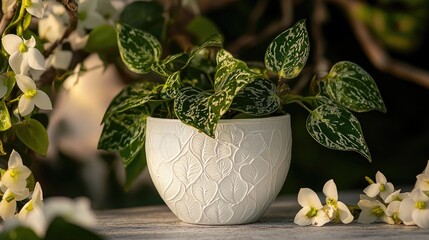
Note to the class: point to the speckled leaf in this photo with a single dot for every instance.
(257, 98)
(170, 64)
(130, 97)
(172, 86)
(352, 87)
(202, 110)
(226, 65)
(288, 52)
(5, 122)
(121, 130)
(138, 49)
(215, 40)
(337, 128)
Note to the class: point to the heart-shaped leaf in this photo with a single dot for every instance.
(171, 86)
(138, 49)
(130, 97)
(202, 109)
(337, 128)
(257, 98)
(288, 52)
(352, 87)
(33, 134)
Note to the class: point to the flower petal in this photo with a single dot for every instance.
(406, 210)
(393, 208)
(36, 59)
(14, 159)
(301, 217)
(366, 217)
(421, 217)
(380, 178)
(321, 219)
(7, 209)
(36, 9)
(330, 190)
(426, 171)
(19, 63)
(11, 43)
(25, 83)
(37, 195)
(308, 198)
(25, 106)
(345, 214)
(42, 101)
(372, 190)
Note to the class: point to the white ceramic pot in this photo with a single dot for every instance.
(231, 179)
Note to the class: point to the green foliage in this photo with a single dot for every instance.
(207, 83)
(33, 134)
(102, 40)
(5, 122)
(202, 28)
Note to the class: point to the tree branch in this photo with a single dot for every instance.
(377, 54)
(72, 10)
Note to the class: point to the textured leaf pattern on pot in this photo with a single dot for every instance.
(233, 189)
(138, 49)
(218, 170)
(288, 52)
(337, 128)
(220, 211)
(255, 171)
(202, 147)
(251, 146)
(192, 210)
(351, 86)
(205, 190)
(187, 170)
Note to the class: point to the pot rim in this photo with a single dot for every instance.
(221, 121)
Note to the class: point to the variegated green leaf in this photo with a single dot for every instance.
(288, 52)
(132, 96)
(171, 86)
(257, 98)
(122, 129)
(5, 122)
(170, 64)
(138, 49)
(226, 69)
(215, 40)
(337, 128)
(202, 109)
(352, 87)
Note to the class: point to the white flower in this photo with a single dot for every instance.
(60, 59)
(36, 202)
(381, 187)
(8, 203)
(415, 209)
(338, 211)
(23, 54)
(31, 96)
(373, 211)
(396, 196)
(89, 18)
(77, 211)
(78, 39)
(422, 182)
(312, 209)
(52, 28)
(73, 79)
(34, 7)
(393, 211)
(15, 177)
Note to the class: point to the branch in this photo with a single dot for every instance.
(250, 39)
(377, 54)
(72, 9)
(6, 18)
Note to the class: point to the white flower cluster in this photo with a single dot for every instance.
(314, 213)
(35, 214)
(382, 203)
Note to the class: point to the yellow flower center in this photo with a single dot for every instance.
(30, 207)
(312, 213)
(382, 188)
(10, 198)
(13, 173)
(420, 205)
(331, 202)
(377, 211)
(23, 48)
(30, 93)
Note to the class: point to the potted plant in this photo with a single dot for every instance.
(215, 131)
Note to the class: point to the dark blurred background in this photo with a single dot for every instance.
(398, 140)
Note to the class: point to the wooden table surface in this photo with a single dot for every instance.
(158, 222)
